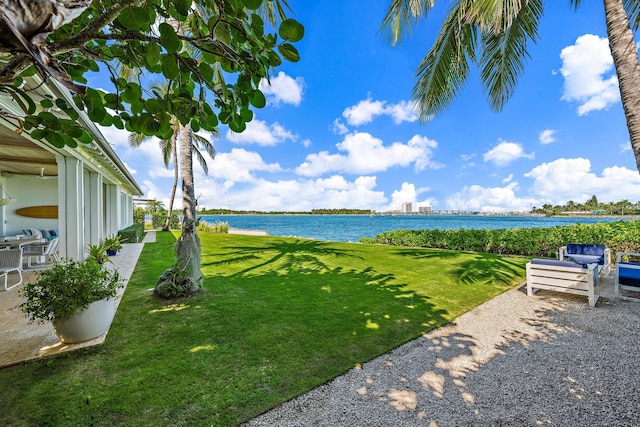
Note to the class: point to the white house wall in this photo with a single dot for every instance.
(28, 191)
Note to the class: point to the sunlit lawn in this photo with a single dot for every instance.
(279, 317)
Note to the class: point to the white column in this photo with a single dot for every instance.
(71, 207)
(111, 208)
(94, 212)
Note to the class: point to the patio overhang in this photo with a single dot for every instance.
(89, 185)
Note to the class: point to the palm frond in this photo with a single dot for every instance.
(398, 23)
(199, 142)
(504, 54)
(633, 12)
(198, 155)
(136, 139)
(274, 10)
(445, 68)
(494, 16)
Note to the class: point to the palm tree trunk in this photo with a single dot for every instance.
(625, 59)
(188, 246)
(174, 153)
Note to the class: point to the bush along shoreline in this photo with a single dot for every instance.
(533, 242)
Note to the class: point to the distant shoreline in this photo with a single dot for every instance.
(634, 217)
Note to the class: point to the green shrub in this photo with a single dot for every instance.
(138, 215)
(216, 227)
(132, 234)
(533, 242)
(159, 218)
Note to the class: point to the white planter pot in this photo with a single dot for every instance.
(88, 323)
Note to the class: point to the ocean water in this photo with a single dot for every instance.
(350, 228)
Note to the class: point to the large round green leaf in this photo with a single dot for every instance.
(168, 38)
(252, 4)
(183, 7)
(134, 18)
(38, 134)
(169, 67)
(289, 52)
(257, 99)
(291, 30)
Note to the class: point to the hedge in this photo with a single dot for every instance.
(132, 234)
(533, 242)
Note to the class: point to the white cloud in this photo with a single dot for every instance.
(294, 195)
(366, 110)
(131, 170)
(508, 179)
(283, 89)
(547, 136)
(114, 136)
(366, 154)
(571, 179)
(589, 75)
(404, 111)
(153, 191)
(261, 133)
(506, 152)
(625, 147)
(408, 193)
(239, 165)
(495, 199)
(339, 128)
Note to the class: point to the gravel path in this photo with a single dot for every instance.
(545, 360)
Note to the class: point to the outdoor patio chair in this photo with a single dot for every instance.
(47, 249)
(11, 261)
(584, 253)
(627, 276)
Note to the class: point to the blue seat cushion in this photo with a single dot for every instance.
(586, 253)
(629, 276)
(557, 263)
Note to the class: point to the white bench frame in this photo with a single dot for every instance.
(562, 252)
(574, 280)
(617, 285)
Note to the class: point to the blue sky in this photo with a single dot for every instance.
(339, 129)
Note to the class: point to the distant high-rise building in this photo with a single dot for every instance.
(424, 209)
(407, 207)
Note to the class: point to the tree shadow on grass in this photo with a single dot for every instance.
(286, 254)
(331, 316)
(478, 268)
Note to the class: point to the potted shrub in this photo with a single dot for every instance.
(77, 296)
(113, 244)
(97, 252)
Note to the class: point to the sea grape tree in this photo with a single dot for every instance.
(214, 64)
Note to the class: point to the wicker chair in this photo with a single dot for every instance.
(11, 261)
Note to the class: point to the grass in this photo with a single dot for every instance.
(279, 317)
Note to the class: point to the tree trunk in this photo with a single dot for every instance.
(188, 246)
(174, 153)
(625, 59)
(185, 277)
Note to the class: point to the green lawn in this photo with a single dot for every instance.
(279, 317)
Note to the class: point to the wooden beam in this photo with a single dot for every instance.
(20, 144)
(28, 160)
